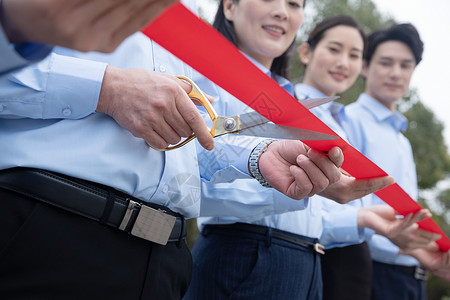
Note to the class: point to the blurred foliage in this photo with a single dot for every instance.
(425, 133)
(444, 199)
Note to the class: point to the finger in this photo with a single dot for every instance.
(421, 215)
(428, 235)
(336, 156)
(326, 165)
(167, 133)
(384, 211)
(316, 176)
(155, 140)
(371, 185)
(194, 120)
(302, 186)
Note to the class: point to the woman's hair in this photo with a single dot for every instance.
(280, 64)
(321, 28)
(405, 33)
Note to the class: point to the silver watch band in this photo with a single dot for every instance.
(254, 160)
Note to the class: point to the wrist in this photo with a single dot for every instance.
(253, 161)
(106, 90)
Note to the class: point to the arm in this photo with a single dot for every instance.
(99, 25)
(150, 105)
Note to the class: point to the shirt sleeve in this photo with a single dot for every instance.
(340, 225)
(14, 56)
(58, 87)
(229, 159)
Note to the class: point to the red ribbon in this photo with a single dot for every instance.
(199, 45)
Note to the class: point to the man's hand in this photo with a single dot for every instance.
(349, 188)
(99, 25)
(404, 232)
(152, 106)
(298, 171)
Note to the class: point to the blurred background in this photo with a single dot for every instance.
(427, 105)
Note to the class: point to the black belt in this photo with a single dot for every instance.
(275, 233)
(101, 203)
(418, 272)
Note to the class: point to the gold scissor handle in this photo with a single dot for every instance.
(197, 94)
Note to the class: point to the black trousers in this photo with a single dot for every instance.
(347, 273)
(390, 282)
(49, 253)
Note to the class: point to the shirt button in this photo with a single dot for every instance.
(165, 189)
(162, 68)
(66, 112)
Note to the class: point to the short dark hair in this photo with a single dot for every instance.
(280, 64)
(316, 35)
(405, 33)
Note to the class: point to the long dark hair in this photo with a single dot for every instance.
(280, 64)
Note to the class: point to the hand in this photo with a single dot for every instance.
(298, 171)
(99, 25)
(349, 188)
(433, 259)
(152, 106)
(404, 232)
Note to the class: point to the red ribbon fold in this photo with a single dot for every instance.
(199, 45)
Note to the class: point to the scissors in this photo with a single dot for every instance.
(252, 123)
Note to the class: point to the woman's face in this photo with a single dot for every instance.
(336, 61)
(264, 28)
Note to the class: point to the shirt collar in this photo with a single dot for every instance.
(304, 91)
(398, 121)
(283, 82)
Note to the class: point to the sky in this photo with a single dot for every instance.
(432, 74)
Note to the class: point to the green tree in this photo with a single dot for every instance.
(425, 132)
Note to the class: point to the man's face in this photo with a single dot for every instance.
(389, 72)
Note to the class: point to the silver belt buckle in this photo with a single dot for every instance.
(151, 224)
(420, 273)
(319, 248)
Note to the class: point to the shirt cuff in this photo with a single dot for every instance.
(344, 225)
(229, 159)
(73, 87)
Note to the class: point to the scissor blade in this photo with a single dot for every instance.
(251, 119)
(270, 130)
(313, 102)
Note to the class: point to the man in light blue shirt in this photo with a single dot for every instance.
(374, 127)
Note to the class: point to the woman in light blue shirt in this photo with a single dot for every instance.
(332, 56)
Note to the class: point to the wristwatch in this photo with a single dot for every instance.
(253, 161)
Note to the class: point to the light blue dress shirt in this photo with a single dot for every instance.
(339, 223)
(245, 200)
(48, 121)
(377, 133)
(14, 56)
(333, 229)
